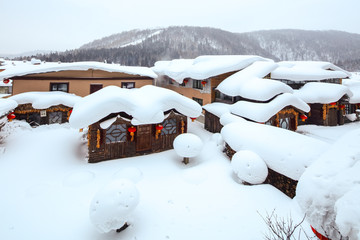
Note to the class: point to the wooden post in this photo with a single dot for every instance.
(186, 160)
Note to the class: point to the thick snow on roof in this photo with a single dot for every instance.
(42, 100)
(328, 192)
(146, 105)
(25, 69)
(318, 92)
(217, 108)
(249, 83)
(204, 67)
(354, 85)
(286, 152)
(308, 71)
(7, 105)
(261, 112)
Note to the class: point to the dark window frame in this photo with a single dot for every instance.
(197, 84)
(58, 83)
(198, 100)
(95, 84)
(126, 83)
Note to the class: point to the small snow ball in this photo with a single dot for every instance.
(112, 205)
(188, 145)
(249, 167)
(218, 139)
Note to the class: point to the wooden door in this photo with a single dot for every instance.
(332, 117)
(143, 138)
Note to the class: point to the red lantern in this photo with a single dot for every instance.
(132, 131)
(342, 106)
(186, 81)
(158, 128)
(6, 81)
(203, 83)
(11, 116)
(333, 103)
(303, 117)
(319, 235)
(192, 119)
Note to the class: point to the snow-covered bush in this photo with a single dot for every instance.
(329, 190)
(217, 138)
(187, 145)
(249, 167)
(112, 204)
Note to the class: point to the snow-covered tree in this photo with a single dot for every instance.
(187, 145)
(249, 167)
(112, 204)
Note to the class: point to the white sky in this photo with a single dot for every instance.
(58, 25)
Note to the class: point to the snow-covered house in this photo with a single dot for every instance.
(352, 107)
(129, 122)
(38, 108)
(5, 87)
(287, 154)
(197, 78)
(257, 99)
(80, 78)
(319, 84)
(7, 106)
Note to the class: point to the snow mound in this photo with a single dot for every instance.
(187, 145)
(329, 190)
(7, 105)
(146, 105)
(111, 205)
(283, 151)
(249, 167)
(43, 100)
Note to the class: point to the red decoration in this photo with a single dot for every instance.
(342, 106)
(333, 103)
(303, 117)
(6, 81)
(132, 131)
(11, 116)
(319, 235)
(159, 127)
(186, 81)
(203, 83)
(192, 119)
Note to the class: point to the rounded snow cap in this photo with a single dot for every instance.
(188, 145)
(249, 167)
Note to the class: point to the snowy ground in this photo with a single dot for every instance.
(46, 190)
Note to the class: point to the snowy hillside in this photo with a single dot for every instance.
(145, 47)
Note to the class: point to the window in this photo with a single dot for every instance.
(64, 87)
(198, 100)
(55, 117)
(95, 87)
(169, 126)
(116, 133)
(285, 123)
(128, 85)
(197, 84)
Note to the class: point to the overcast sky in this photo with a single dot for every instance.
(58, 25)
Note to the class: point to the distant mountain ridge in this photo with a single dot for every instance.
(145, 47)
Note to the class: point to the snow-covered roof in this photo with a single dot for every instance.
(262, 112)
(324, 93)
(354, 86)
(217, 108)
(204, 67)
(7, 105)
(249, 83)
(308, 71)
(329, 190)
(26, 69)
(286, 152)
(146, 105)
(43, 100)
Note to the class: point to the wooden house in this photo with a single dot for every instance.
(129, 122)
(198, 78)
(352, 107)
(250, 95)
(80, 78)
(39, 108)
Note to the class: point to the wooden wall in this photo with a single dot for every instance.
(212, 122)
(144, 142)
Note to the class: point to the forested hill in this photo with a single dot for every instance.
(145, 47)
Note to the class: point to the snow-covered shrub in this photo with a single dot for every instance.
(112, 204)
(249, 167)
(217, 138)
(187, 145)
(329, 190)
